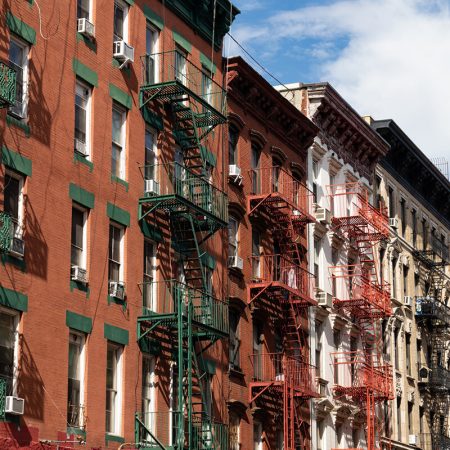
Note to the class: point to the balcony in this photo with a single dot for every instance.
(431, 309)
(5, 232)
(182, 191)
(439, 378)
(352, 213)
(281, 278)
(279, 193)
(438, 441)
(356, 374)
(272, 370)
(356, 292)
(171, 77)
(436, 254)
(7, 85)
(164, 301)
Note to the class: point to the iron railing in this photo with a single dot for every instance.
(208, 434)
(3, 384)
(7, 85)
(174, 67)
(173, 297)
(433, 441)
(5, 231)
(76, 416)
(433, 309)
(175, 179)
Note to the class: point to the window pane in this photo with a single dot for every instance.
(83, 9)
(17, 60)
(119, 16)
(11, 196)
(7, 337)
(117, 121)
(116, 160)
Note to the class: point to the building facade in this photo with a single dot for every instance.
(346, 334)
(114, 219)
(415, 261)
(271, 380)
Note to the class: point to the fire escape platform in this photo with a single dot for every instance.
(7, 85)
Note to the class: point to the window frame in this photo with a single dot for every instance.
(233, 233)
(153, 50)
(85, 212)
(151, 276)
(121, 170)
(20, 221)
(82, 375)
(120, 262)
(116, 423)
(124, 6)
(23, 113)
(88, 111)
(150, 388)
(90, 12)
(154, 175)
(234, 341)
(233, 140)
(16, 316)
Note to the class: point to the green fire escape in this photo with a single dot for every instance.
(185, 319)
(7, 85)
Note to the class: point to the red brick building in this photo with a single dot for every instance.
(103, 313)
(270, 381)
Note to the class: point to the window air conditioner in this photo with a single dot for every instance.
(123, 52)
(14, 405)
(78, 274)
(234, 170)
(17, 247)
(323, 298)
(323, 215)
(413, 439)
(86, 28)
(81, 147)
(151, 187)
(424, 374)
(235, 262)
(393, 222)
(407, 300)
(117, 289)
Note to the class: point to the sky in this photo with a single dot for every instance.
(388, 58)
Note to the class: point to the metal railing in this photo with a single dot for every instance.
(174, 67)
(433, 441)
(279, 183)
(439, 377)
(175, 179)
(76, 416)
(439, 248)
(7, 84)
(208, 433)
(3, 387)
(279, 269)
(172, 296)
(431, 308)
(5, 231)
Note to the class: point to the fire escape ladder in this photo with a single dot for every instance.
(367, 259)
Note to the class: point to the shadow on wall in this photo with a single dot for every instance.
(36, 246)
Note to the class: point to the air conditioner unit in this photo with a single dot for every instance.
(234, 170)
(86, 28)
(117, 289)
(151, 187)
(78, 274)
(407, 300)
(323, 298)
(413, 439)
(17, 247)
(424, 374)
(323, 215)
(14, 405)
(236, 262)
(81, 147)
(393, 222)
(123, 52)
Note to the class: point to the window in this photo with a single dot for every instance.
(181, 65)
(408, 353)
(279, 436)
(113, 388)
(255, 162)
(233, 137)
(78, 241)
(207, 85)
(320, 430)
(118, 141)
(75, 395)
(315, 184)
(151, 50)
(234, 431)
(256, 254)
(82, 118)
(317, 246)
(414, 227)
(18, 60)
(391, 202)
(410, 417)
(235, 341)
(399, 418)
(115, 272)
(83, 9)
(276, 172)
(150, 171)
(13, 201)
(120, 21)
(355, 437)
(319, 333)
(257, 436)
(403, 215)
(233, 242)
(424, 234)
(148, 391)
(396, 348)
(9, 322)
(394, 278)
(405, 280)
(149, 287)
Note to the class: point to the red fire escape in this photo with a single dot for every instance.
(362, 376)
(280, 279)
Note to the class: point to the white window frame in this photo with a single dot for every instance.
(90, 12)
(88, 116)
(82, 370)
(235, 244)
(16, 321)
(121, 228)
(117, 423)
(23, 113)
(156, 34)
(154, 299)
(18, 228)
(258, 436)
(121, 4)
(83, 263)
(154, 150)
(150, 388)
(122, 144)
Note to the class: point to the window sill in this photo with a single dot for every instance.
(118, 180)
(113, 438)
(15, 122)
(91, 44)
(236, 271)
(236, 372)
(10, 259)
(75, 431)
(77, 158)
(117, 301)
(80, 287)
(11, 418)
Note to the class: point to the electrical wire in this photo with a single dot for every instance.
(40, 24)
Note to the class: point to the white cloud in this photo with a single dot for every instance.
(394, 60)
(249, 5)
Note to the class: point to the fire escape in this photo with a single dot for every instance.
(362, 376)
(7, 99)
(280, 281)
(184, 318)
(433, 316)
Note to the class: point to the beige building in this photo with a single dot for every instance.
(415, 261)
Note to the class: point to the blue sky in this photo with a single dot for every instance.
(385, 57)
